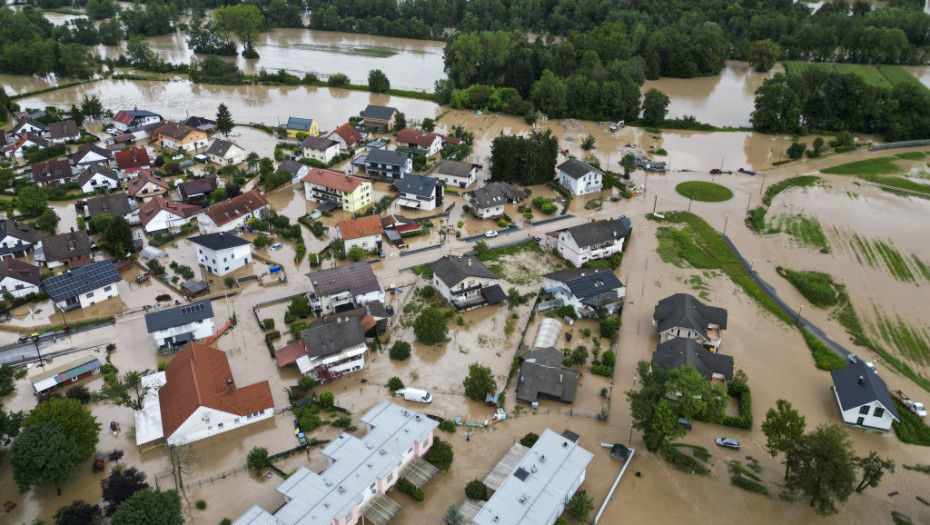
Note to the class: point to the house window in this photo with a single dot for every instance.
(426, 442)
(89, 295)
(236, 421)
(864, 409)
(390, 477)
(878, 412)
(219, 425)
(108, 288)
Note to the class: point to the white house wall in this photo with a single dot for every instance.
(851, 416)
(9, 284)
(369, 243)
(95, 296)
(206, 422)
(222, 262)
(198, 330)
(165, 220)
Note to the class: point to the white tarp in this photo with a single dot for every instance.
(148, 420)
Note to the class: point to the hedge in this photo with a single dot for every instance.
(742, 393)
(602, 370)
(410, 489)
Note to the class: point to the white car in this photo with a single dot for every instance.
(492, 233)
(918, 408)
(112, 131)
(276, 246)
(178, 157)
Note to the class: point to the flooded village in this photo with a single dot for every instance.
(312, 317)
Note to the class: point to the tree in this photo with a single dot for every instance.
(277, 179)
(400, 120)
(116, 234)
(378, 82)
(252, 160)
(79, 513)
(44, 453)
(300, 306)
(440, 454)
(580, 506)
(218, 195)
(32, 200)
(394, 384)
(629, 164)
(261, 241)
(873, 469)
(150, 507)
(652, 413)
(453, 516)
(129, 391)
(75, 420)
(476, 489)
(479, 383)
(47, 221)
(79, 392)
(338, 248)
(777, 106)
(243, 20)
(76, 115)
(224, 120)
(513, 298)
(763, 54)
(610, 327)
(7, 384)
(428, 124)
(529, 439)
(655, 107)
(824, 468)
(480, 248)
(524, 161)
(120, 485)
(306, 383)
(430, 326)
(783, 428)
(400, 351)
(818, 147)
(257, 458)
(589, 142)
(550, 95)
(357, 253)
(796, 150)
(695, 399)
(326, 399)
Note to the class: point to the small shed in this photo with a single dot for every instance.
(194, 287)
(66, 374)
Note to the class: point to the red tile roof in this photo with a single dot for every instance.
(158, 203)
(51, 171)
(132, 158)
(290, 353)
(349, 134)
(333, 179)
(361, 227)
(199, 376)
(414, 136)
(235, 207)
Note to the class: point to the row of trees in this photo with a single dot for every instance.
(524, 161)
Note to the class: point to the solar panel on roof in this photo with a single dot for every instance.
(521, 474)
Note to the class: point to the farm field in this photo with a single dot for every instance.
(879, 76)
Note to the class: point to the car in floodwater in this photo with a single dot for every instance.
(727, 443)
(492, 233)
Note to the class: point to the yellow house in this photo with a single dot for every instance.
(302, 125)
(347, 192)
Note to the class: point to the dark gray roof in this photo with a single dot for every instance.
(219, 147)
(452, 269)
(536, 379)
(82, 280)
(300, 124)
(586, 282)
(218, 241)
(326, 339)
(20, 231)
(95, 169)
(66, 245)
(418, 185)
(685, 311)
(576, 169)
(679, 352)
(378, 112)
(179, 316)
(596, 232)
(197, 187)
(376, 310)
(495, 194)
(114, 204)
(318, 143)
(383, 156)
(493, 294)
(291, 166)
(544, 356)
(852, 393)
(456, 168)
(90, 148)
(358, 278)
(194, 287)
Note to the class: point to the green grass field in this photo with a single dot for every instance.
(704, 191)
(805, 230)
(879, 166)
(879, 76)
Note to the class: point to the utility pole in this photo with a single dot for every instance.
(35, 339)
(763, 184)
(655, 203)
(689, 203)
(798, 318)
(749, 204)
(725, 221)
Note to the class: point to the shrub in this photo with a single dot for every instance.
(201, 504)
(476, 489)
(529, 439)
(430, 326)
(816, 287)
(682, 461)
(602, 370)
(326, 399)
(225, 521)
(580, 355)
(395, 383)
(580, 506)
(261, 240)
(610, 327)
(341, 422)
(440, 454)
(739, 389)
(257, 458)
(410, 489)
(609, 358)
(400, 351)
(447, 426)
(268, 323)
(306, 383)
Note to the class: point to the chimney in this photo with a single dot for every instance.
(229, 381)
(861, 380)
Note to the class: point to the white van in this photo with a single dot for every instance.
(415, 394)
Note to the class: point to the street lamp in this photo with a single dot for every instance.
(689, 203)
(763, 184)
(725, 222)
(35, 339)
(798, 318)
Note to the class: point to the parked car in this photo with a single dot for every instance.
(179, 156)
(492, 233)
(315, 214)
(112, 131)
(728, 443)
(276, 246)
(684, 422)
(23, 338)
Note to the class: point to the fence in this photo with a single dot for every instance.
(214, 479)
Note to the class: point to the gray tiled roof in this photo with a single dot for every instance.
(318, 143)
(418, 185)
(326, 339)
(178, 316)
(455, 168)
(374, 112)
(852, 393)
(390, 157)
(596, 232)
(218, 241)
(82, 280)
(66, 245)
(114, 204)
(291, 166)
(683, 310)
(358, 278)
(197, 187)
(538, 377)
(20, 231)
(452, 269)
(21, 270)
(220, 147)
(94, 170)
(680, 352)
(586, 282)
(495, 194)
(576, 169)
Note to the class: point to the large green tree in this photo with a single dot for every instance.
(783, 428)
(32, 200)
(763, 54)
(128, 391)
(44, 453)
(115, 234)
(651, 411)
(873, 470)
(655, 107)
(777, 106)
(823, 468)
(430, 326)
(73, 418)
(224, 120)
(479, 383)
(150, 507)
(524, 161)
(378, 82)
(243, 20)
(120, 485)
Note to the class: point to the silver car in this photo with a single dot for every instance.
(728, 443)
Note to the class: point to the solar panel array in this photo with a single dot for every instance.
(81, 280)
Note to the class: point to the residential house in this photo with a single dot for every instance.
(159, 215)
(590, 241)
(390, 164)
(466, 282)
(98, 177)
(457, 174)
(489, 201)
(298, 170)
(71, 249)
(83, 287)
(373, 318)
(65, 375)
(541, 375)
(579, 177)
(587, 290)
(118, 204)
(364, 232)
(61, 132)
(419, 192)
(179, 137)
(537, 490)
(233, 213)
(16, 240)
(146, 187)
(24, 142)
(32, 127)
(178, 326)
(380, 118)
(18, 278)
(360, 472)
(682, 315)
(395, 226)
(197, 189)
(89, 154)
(301, 125)
(863, 397)
(131, 161)
(225, 153)
(347, 136)
(323, 150)
(195, 397)
(343, 288)
(680, 352)
(53, 172)
(423, 142)
(344, 191)
(333, 349)
(203, 124)
(222, 253)
(133, 118)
